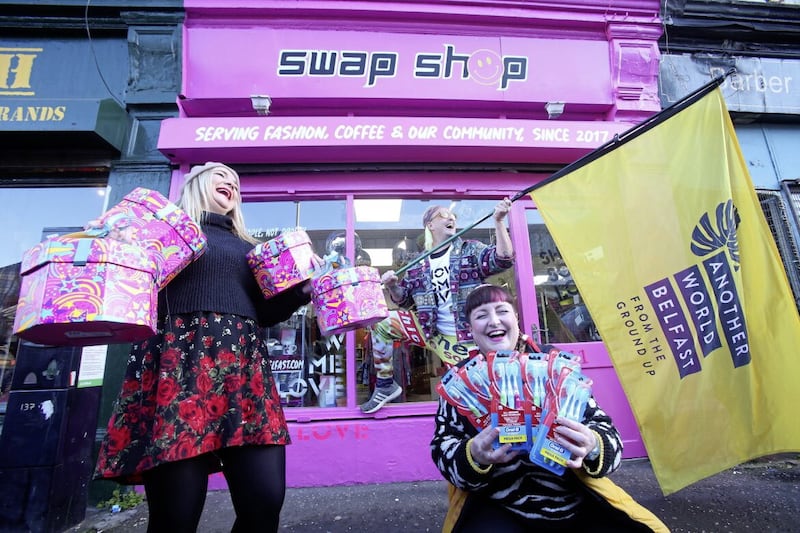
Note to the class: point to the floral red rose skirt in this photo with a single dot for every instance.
(203, 385)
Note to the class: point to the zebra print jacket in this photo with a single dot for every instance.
(524, 488)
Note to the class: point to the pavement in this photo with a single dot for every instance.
(761, 496)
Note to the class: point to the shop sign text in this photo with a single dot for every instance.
(440, 133)
(485, 67)
(16, 70)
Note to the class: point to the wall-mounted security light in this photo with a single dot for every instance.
(261, 103)
(554, 109)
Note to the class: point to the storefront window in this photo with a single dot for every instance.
(309, 368)
(563, 317)
(29, 215)
(390, 232)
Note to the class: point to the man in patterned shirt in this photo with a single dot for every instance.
(437, 288)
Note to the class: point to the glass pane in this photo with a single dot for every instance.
(563, 317)
(391, 234)
(27, 216)
(309, 369)
(27, 212)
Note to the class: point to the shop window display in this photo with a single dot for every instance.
(563, 317)
(391, 234)
(309, 368)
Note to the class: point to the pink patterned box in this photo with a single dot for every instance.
(87, 291)
(282, 262)
(152, 221)
(348, 298)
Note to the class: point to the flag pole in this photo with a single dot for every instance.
(598, 152)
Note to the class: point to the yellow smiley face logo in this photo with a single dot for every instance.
(485, 67)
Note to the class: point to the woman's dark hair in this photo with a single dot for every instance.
(485, 294)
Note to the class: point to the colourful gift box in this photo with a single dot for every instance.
(87, 291)
(348, 298)
(147, 218)
(282, 262)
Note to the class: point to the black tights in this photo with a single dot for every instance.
(256, 477)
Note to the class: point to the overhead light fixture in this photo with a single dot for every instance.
(554, 109)
(384, 210)
(261, 103)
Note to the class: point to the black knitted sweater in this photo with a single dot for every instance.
(220, 280)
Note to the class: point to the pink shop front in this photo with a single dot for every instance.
(348, 119)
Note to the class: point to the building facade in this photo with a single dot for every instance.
(348, 119)
(83, 90)
(761, 41)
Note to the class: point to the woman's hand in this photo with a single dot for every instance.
(390, 282)
(317, 262)
(483, 451)
(575, 437)
(93, 224)
(120, 230)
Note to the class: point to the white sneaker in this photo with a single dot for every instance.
(380, 397)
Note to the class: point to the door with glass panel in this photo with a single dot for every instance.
(309, 368)
(563, 316)
(390, 234)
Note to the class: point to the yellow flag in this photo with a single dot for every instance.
(670, 250)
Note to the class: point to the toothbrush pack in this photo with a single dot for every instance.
(534, 379)
(567, 392)
(521, 394)
(510, 407)
(455, 391)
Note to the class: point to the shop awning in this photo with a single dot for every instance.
(62, 123)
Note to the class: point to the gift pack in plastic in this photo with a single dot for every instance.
(521, 394)
(282, 262)
(87, 291)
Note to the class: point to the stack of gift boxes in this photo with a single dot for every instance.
(101, 286)
(521, 394)
(345, 298)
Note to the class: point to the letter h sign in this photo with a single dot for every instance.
(16, 66)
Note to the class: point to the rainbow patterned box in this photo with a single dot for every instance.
(348, 298)
(87, 291)
(282, 262)
(147, 218)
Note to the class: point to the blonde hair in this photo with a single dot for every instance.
(428, 239)
(197, 191)
(427, 216)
